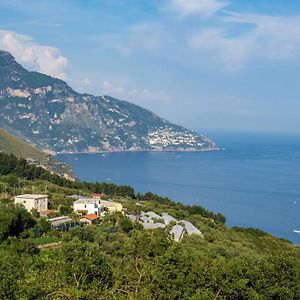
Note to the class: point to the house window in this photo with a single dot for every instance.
(84, 205)
(24, 201)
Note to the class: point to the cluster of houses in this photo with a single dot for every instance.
(90, 209)
(151, 220)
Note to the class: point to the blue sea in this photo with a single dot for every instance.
(254, 181)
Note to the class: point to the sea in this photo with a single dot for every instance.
(254, 180)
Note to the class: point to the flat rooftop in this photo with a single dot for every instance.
(31, 196)
(87, 201)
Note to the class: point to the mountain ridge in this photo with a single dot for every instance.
(48, 113)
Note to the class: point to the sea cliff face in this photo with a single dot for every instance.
(50, 114)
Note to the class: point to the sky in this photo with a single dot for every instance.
(209, 65)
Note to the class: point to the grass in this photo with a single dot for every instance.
(13, 145)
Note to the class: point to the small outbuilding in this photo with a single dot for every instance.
(57, 223)
(89, 219)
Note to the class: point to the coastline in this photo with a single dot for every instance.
(243, 182)
(137, 151)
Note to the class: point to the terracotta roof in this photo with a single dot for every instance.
(96, 195)
(50, 211)
(91, 217)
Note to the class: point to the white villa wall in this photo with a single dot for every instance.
(90, 208)
(38, 202)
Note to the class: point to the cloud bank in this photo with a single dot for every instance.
(264, 38)
(137, 95)
(37, 57)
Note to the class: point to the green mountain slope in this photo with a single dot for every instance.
(50, 114)
(13, 145)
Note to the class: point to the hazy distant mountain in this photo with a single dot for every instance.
(50, 114)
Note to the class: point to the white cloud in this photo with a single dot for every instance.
(41, 58)
(85, 81)
(108, 88)
(136, 95)
(230, 51)
(147, 95)
(276, 37)
(206, 8)
(262, 37)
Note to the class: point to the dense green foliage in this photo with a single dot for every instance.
(117, 259)
(10, 164)
(13, 220)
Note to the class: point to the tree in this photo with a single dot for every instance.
(10, 273)
(77, 268)
(35, 213)
(126, 225)
(14, 219)
(43, 225)
(65, 210)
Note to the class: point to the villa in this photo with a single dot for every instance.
(86, 205)
(30, 202)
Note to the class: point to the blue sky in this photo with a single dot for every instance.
(205, 64)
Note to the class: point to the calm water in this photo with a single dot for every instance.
(254, 182)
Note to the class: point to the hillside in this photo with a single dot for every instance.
(20, 148)
(50, 114)
(118, 259)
